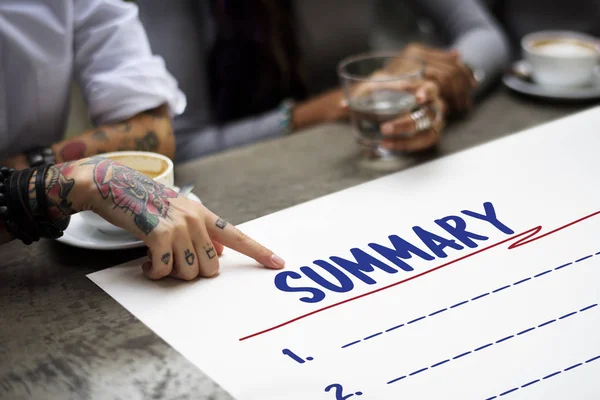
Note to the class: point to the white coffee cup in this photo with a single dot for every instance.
(153, 165)
(561, 58)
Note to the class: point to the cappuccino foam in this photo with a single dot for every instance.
(565, 49)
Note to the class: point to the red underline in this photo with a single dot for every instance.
(526, 240)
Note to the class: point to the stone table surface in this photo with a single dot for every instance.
(61, 337)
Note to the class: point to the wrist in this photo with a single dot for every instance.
(85, 194)
(65, 190)
(328, 107)
(335, 111)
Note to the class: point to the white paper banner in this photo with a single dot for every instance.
(475, 276)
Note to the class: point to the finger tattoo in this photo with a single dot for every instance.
(210, 251)
(166, 258)
(221, 223)
(189, 257)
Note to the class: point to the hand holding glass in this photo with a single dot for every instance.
(390, 109)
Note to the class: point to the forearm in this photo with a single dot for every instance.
(147, 131)
(212, 139)
(318, 110)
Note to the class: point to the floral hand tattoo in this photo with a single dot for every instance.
(133, 192)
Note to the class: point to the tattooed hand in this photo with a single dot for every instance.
(184, 238)
(132, 191)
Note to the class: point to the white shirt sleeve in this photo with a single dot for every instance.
(114, 65)
(473, 32)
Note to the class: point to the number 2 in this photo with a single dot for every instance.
(339, 392)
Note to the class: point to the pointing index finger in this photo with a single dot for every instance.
(230, 236)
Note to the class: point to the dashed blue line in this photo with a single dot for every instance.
(483, 347)
(530, 383)
(372, 336)
(415, 320)
(440, 363)
(509, 391)
(547, 323)
(502, 288)
(394, 328)
(528, 330)
(504, 339)
(573, 367)
(592, 359)
(562, 266)
(588, 307)
(480, 297)
(396, 380)
(547, 376)
(551, 375)
(438, 312)
(461, 355)
(521, 281)
(459, 304)
(418, 371)
(350, 344)
(568, 315)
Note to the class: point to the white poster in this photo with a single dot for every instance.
(476, 276)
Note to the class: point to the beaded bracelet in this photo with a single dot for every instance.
(286, 109)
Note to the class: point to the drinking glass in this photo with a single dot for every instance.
(379, 87)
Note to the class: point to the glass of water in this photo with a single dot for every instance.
(375, 95)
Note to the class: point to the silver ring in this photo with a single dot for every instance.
(421, 120)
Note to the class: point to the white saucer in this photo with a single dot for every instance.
(80, 234)
(520, 85)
